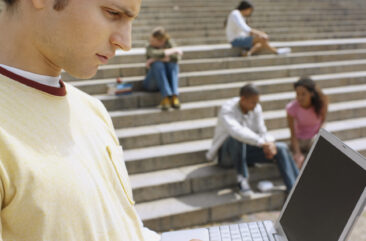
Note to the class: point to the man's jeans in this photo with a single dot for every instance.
(237, 154)
(162, 76)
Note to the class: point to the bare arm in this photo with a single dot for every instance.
(298, 156)
(259, 34)
(323, 114)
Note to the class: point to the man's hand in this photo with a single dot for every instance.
(269, 149)
(195, 240)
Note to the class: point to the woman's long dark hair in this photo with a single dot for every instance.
(318, 99)
(242, 6)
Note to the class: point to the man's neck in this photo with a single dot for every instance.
(20, 51)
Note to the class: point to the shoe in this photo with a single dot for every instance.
(165, 103)
(175, 102)
(265, 186)
(244, 189)
(283, 51)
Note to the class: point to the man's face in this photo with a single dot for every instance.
(248, 103)
(85, 34)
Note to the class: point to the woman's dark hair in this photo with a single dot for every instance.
(244, 5)
(318, 99)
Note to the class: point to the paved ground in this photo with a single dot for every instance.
(358, 233)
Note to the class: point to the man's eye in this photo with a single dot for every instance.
(114, 13)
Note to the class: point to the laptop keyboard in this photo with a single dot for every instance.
(239, 232)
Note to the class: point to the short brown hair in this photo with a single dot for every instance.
(59, 4)
(160, 34)
(249, 90)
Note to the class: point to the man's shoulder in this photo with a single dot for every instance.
(77, 93)
(230, 104)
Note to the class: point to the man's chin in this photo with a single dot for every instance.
(82, 74)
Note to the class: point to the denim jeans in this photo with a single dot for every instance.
(162, 76)
(237, 154)
(243, 42)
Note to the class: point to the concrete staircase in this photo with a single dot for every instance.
(197, 22)
(173, 185)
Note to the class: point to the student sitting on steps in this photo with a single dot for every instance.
(240, 35)
(241, 138)
(163, 69)
(305, 116)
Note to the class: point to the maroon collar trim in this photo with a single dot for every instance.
(45, 88)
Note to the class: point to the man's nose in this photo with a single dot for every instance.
(122, 37)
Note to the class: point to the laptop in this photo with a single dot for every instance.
(324, 204)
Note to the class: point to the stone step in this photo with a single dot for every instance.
(213, 206)
(215, 25)
(192, 179)
(191, 65)
(137, 55)
(256, 20)
(193, 152)
(192, 130)
(271, 31)
(203, 208)
(267, 5)
(137, 43)
(207, 109)
(99, 86)
(285, 13)
(358, 145)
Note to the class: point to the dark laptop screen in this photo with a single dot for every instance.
(325, 196)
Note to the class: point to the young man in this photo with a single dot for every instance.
(241, 138)
(62, 173)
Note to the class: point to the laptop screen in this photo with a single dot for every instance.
(325, 196)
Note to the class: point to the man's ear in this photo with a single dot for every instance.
(39, 4)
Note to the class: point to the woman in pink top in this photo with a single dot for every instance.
(305, 116)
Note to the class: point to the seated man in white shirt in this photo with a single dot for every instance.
(241, 138)
(240, 35)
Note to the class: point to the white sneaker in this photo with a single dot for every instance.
(265, 186)
(246, 193)
(283, 51)
(244, 188)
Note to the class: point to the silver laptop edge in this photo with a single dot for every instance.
(349, 152)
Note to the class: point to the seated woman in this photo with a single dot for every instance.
(240, 35)
(163, 69)
(305, 116)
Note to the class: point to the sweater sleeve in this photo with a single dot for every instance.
(240, 21)
(262, 129)
(154, 53)
(237, 130)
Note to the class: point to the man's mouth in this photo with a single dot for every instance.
(103, 59)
